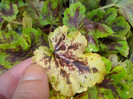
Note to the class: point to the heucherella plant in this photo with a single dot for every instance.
(69, 69)
(93, 59)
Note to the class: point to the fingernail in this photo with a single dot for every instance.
(34, 72)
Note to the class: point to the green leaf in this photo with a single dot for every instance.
(114, 42)
(112, 46)
(131, 57)
(121, 92)
(118, 73)
(125, 8)
(92, 93)
(12, 1)
(22, 3)
(74, 16)
(108, 64)
(120, 26)
(11, 44)
(8, 12)
(106, 93)
(10, 59)
(15, 48)
(99, 15)
(12, 41)
(100, 32)
(35, 38)
(50, 13)
(93, 4)
(103, 31)
(109, 17)
(129, 77)
(110, 89)
(83, 95)
(26, 21)
(92, 44)
(130, 43)
(75, 19)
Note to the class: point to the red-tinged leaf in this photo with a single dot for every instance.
(8, 12)
(15, 48)
(75, 19)
(50, 13)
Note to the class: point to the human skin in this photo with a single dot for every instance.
(24, 81)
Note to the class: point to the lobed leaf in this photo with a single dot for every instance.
(75, 19)
(113, 91)
(74, 16)
(112, 46)
(115, 42)
(93, 4)
(8, 12)
(125, 8)
(10, 44)
(50, 13)
(93, 44)
(15, 48)
(69, 70)
(118, 73)
(118, 24)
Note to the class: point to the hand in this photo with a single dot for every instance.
(24, 81)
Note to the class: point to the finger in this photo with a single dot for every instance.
(18, 70)
(9, 80)
(33, 85)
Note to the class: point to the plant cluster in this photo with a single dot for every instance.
(86, 45)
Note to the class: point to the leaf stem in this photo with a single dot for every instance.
(108, 6)
(15, 22)
(50, 30)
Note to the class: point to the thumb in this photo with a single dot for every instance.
(33, 84)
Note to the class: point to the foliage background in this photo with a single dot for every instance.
(106, 24)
